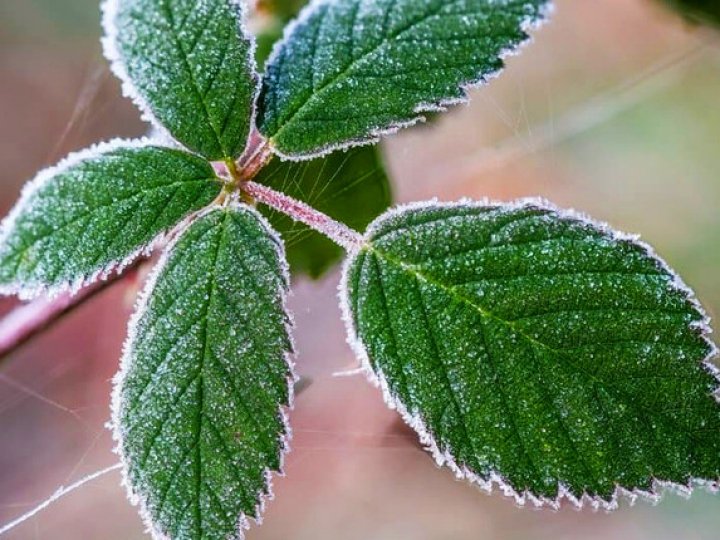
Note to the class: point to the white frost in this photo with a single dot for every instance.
(528, 25)
(111, 51)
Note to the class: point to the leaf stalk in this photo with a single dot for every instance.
(339, 233)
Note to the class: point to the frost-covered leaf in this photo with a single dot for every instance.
(538, 350)
(350, 70)
(189, 65)
(199, 407)
(351, 187)
(98, 209)
(707, 11)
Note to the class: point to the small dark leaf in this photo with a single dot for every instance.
(703, 11)
(351, 187)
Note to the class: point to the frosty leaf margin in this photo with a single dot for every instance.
(110, 10)
(141, 307)
(347, 238)
(444, 457)
(527, 25)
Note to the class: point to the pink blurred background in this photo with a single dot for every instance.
(613, 110)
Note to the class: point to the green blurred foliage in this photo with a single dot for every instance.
(266, 39)
(282, 9)
(351, 187)
(275, 14)
(702, 11)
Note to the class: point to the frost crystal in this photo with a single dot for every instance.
(189, 66)
(96, 211)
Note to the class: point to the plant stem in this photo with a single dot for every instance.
(27, 321)
(339, 233)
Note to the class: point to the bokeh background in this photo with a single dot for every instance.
(613, 110)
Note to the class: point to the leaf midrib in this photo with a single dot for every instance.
(196, 89)
(212, 287)
(507, 402)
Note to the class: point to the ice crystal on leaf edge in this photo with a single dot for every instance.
(111, 52)
(32, 291)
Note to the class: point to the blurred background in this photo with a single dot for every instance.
(613, 110)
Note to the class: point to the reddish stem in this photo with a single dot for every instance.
(339, 233)
(27, 321)
(256, 156)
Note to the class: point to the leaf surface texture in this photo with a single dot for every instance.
(349, 70)
(188, 64)
(96, 210)
(537, 349)
(200, 404)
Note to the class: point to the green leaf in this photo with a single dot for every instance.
(199, 406)
(351, 70)
(189, 66)
(704, 11)
(97, 210)
(351, 187)
(537, 350)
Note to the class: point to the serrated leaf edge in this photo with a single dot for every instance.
(136, 499)
(29, 291)
(109, 10)
(528, 25)
(443, 457)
